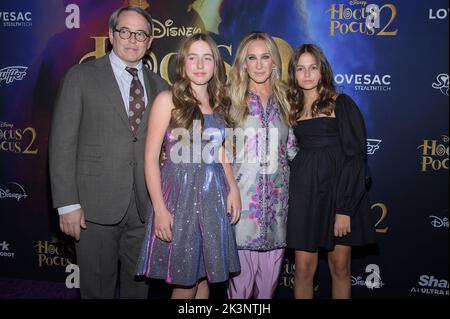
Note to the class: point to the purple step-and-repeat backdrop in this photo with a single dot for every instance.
(397, 71)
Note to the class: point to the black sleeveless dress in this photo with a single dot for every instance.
(328, 177)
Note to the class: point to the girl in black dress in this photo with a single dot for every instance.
(328, 203)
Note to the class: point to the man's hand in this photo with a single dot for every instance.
(70, 223)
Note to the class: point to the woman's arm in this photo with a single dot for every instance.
(234, 204)
(158, 123)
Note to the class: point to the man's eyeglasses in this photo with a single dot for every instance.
(125, 34)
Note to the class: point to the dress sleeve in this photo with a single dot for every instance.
(351, 185)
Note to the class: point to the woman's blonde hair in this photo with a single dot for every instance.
(238, 80)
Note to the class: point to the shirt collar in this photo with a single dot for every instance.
(119, 64)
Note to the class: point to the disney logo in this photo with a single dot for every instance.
(18, 195)
(441, 83)
(373, 279)
(166, 29)
(439, 222)
(358, 281)
(4, 124)
(357, 2)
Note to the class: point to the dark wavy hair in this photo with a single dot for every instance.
(325, 103)
(186, 105)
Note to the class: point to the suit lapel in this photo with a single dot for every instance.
(108, 83)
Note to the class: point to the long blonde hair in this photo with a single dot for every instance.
(186, 105)
(238, 80)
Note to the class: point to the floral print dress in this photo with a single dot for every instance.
(262, 172)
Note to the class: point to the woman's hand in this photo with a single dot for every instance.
(163, 224)
(234, 204)
(341, 225)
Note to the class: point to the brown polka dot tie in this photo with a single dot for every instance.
(137, 100)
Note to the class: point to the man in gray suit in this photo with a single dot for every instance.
(96, 152)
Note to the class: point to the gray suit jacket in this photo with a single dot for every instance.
(95, 160)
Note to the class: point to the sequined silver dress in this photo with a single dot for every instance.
(195, 194)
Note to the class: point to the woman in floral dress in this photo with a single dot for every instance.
(262, 142)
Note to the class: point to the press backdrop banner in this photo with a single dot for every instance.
(390, 56)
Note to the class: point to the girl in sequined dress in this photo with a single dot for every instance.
(189, 238)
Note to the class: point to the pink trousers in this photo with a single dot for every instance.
(259, 274)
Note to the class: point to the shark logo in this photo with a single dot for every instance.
(4, 246)
(5, 250)
(441, 83)
(372, 145)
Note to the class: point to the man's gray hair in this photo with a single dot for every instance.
(113, 20)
